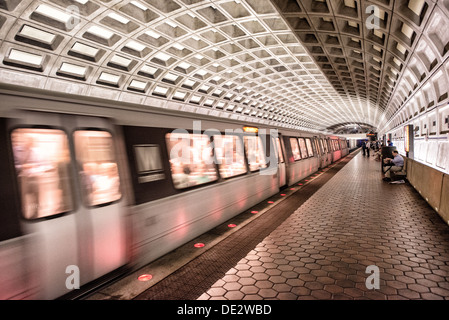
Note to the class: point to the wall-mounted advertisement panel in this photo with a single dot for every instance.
(409, 141)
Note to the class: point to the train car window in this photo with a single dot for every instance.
(191, 159)
(149, 162)
(329, 145)
(303, 148)
(323, 146)
(279, 150)
(42, 162)
(317, 146)
(230, 155)
(295, 149)
(309, 147)
(337, 146)
(254, 152)
(97, 167)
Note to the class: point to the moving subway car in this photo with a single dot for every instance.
(92, 187)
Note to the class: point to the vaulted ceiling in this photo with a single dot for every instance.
(311, 64)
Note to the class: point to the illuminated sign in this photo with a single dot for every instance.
(251, 129)
(407, 132)
(409, 142)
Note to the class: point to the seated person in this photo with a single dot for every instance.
(377, 155)
(397, 163)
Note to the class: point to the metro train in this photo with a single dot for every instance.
(89, 187)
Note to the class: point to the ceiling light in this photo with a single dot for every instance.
(25, 58)
(72, 69)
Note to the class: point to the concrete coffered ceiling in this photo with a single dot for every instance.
(310, 64)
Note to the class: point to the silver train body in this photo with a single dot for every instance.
(63, 229)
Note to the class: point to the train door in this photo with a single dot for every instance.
(69, 193)
(317, 151)
(282, 170)
(17, 279)
(324, 160)
(330, 158)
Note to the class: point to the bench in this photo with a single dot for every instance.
(400, 175)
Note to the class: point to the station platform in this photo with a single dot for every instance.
(314, 240)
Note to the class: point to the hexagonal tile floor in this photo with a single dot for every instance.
(223, 249)
(323, 249)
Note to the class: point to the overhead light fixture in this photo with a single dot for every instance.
(179, 95)
(184, 65)
(121, 61)
(162, 56)
(118, 18)
(84, 51)
(55, 17)
(109, 79)
(138, 85)
(148, 71)
(153, 34)
(100, 32)
(25, 59)
(160, 91)
(34, 34)
(72, 70)
(139, 5)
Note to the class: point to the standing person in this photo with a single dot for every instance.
(368, 146)
(363, 147)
